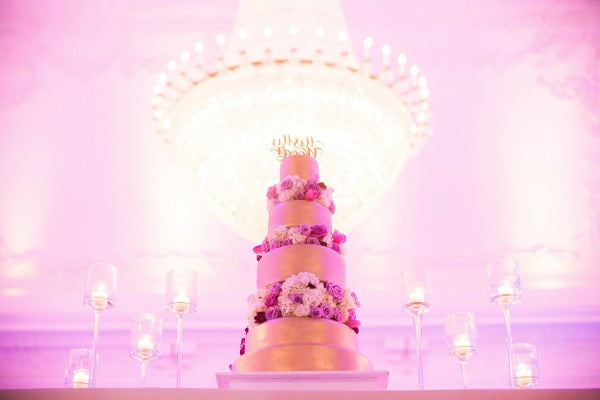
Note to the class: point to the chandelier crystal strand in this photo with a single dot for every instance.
(289, 69)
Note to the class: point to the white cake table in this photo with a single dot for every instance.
(304, 380)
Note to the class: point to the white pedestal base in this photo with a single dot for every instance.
(304, 380)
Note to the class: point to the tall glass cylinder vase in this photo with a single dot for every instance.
(525, 368)
(181, 295)
(99, 294)
(416, 300)
(504, 284)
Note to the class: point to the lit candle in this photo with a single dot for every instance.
(81, 378)
(416, 296)
(506, 289)
(462, 346)
(181, 304)
(99, 298)
(524, 375)
(145, 346)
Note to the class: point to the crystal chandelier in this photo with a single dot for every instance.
(288, 68)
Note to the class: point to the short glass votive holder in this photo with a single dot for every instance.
(525, 368)
(79, 372)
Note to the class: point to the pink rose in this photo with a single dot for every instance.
(338, 237)
(312, 240)
(336, 247)
(275, 245)
(286, 242)
(272, 192)
(286, 184)
(338, 315)
(332, 208)
(327, 311)
(311, 195)
(265, 246)
(257, 249)
(299, 196)
(316, 312)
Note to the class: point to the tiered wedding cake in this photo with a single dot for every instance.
(303, 318)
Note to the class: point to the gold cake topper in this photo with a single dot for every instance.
(288, 145)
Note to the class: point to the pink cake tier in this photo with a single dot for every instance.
(279, 264)
(301, 344)
(283, 335)
(297, 212)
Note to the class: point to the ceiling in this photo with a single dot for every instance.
(513, 168)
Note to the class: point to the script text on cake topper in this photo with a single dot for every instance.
(288, 145)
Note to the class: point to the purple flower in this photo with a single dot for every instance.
(316, 312)
(286, 184)
(296, 298)
(318, 231)
(286, 242)
(304, 229)
(271, 300)
(275, 245)
(335, 290)
(272, 192)
(338, 315)
(312, 240)
(275, 288)
(336, 247)
(265, 246)
(272, 313)
(338, 237)
(260, 317)
(327, 311)
(355, 299)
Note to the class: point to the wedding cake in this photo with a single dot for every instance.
(302, 317)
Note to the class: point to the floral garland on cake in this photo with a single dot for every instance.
(318, 234)
(302, 295)
(292, 187)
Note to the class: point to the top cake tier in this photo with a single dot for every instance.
(305, 167)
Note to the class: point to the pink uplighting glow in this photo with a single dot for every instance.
(513, 169)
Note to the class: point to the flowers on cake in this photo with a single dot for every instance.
(292, 187)
(282, 236)
(303, 295)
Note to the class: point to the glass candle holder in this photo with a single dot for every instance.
(461, 339)
(100, 293)
(79, 371)
(416, 300)
(180, 300)
(145, 340)
(504, 285)
(525, 368)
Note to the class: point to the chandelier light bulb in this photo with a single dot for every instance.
(320, 31)
(293, 30)
(185, 56)
(198, 47)
(220, 39)
(268, 31)
(342, 36)
(243, 34)
(171, 65)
